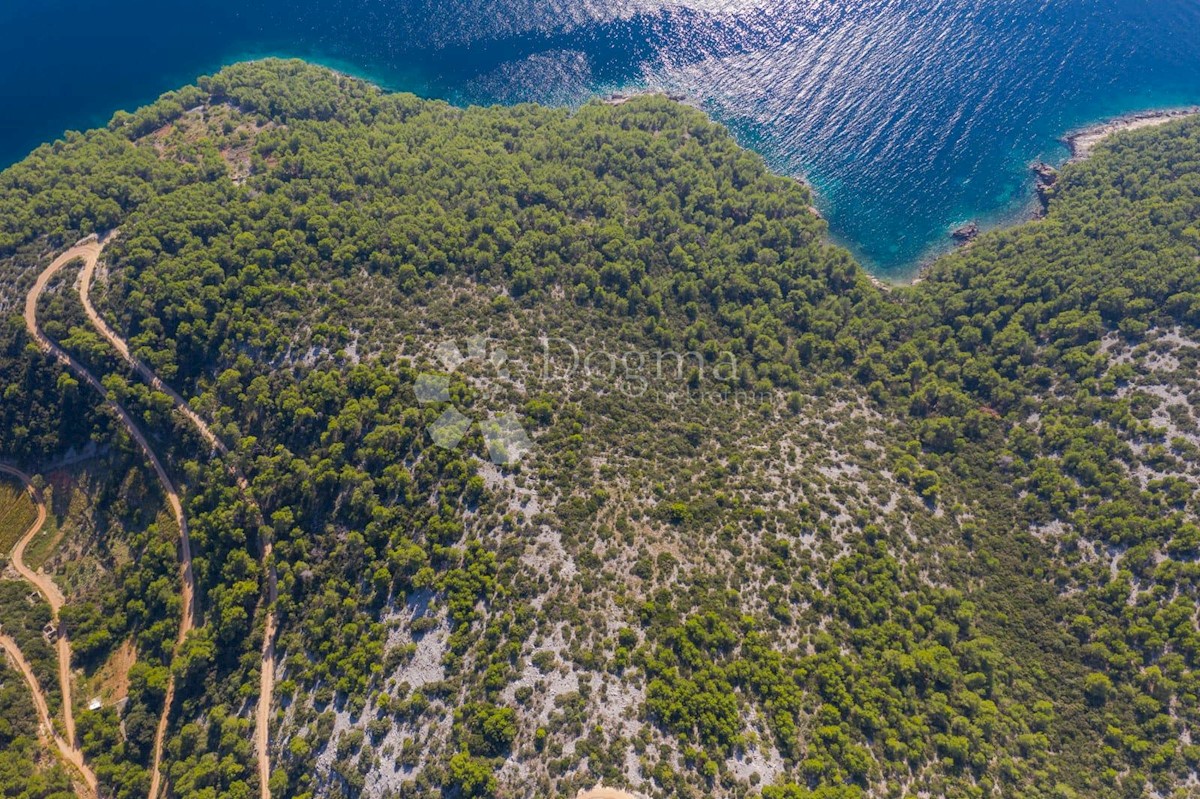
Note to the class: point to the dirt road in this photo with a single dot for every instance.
(600, 792)
(68, 751)
(50, 591)
(266, 686)
(89, 250)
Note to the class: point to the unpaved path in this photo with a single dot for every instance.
(69, 753)
(48, 589)
(600, 792)
(89, 250)
(266, 686)
(45, 586)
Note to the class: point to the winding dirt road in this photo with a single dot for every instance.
(53, 596)
(267, 671)
(89, 250)
(68, 747)
(69, 753)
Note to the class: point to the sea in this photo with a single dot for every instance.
(907, 117)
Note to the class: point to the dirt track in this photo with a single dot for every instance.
(69, 747)
(53, 596)
(69, 753)
(600, 792)
(266, 686)
(89, 250)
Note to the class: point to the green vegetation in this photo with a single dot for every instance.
(23, 614)
(820, 539)
(17, 513)
(21, 773)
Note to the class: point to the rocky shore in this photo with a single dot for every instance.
(965, 234)
(620, 98)
(1045, 178)
(1081, 142)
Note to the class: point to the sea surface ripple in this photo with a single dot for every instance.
(909, 117)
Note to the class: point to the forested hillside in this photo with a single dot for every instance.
(585, 459)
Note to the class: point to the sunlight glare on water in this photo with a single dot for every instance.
(909, 117)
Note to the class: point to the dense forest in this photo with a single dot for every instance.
(586, 459)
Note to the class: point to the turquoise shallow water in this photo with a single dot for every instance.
(908, 116)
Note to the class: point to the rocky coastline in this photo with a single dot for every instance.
(1045, 178)
(620, 98)
(965, 234)
(1081, 142)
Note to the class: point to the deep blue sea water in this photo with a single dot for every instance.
(908, 116)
